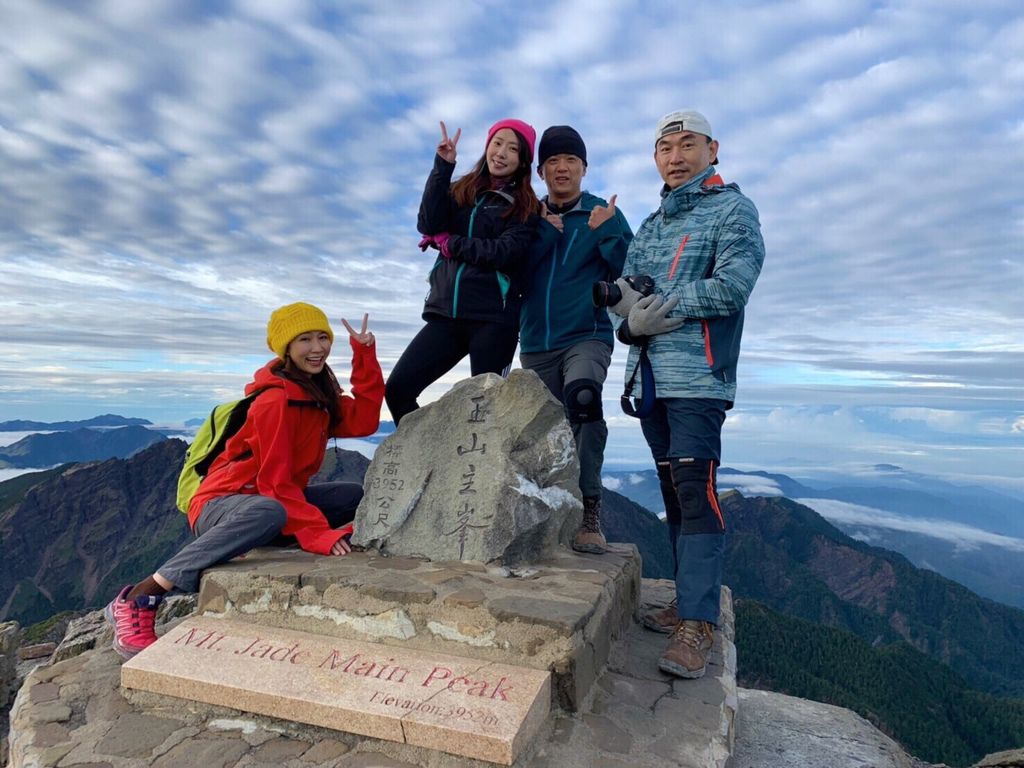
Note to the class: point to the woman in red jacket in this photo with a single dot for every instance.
(255, 492)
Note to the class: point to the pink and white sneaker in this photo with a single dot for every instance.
(132, 621)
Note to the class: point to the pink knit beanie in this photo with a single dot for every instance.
(523, 129)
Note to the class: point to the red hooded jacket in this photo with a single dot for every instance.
(283, 441)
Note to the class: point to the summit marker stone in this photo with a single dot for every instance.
(488, 473)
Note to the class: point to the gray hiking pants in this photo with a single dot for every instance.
(558, 369)
(229, 526)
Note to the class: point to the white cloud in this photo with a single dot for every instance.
(749, 485)
(964, 536)
(168, 175)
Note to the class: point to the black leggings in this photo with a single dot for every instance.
(437, 348)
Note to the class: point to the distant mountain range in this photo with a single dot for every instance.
(84, 531)
(85, 444)
(939, 654)
(920, 656)
(786, 556)
(106, 420)
(74, 535)
(78, 533)
(888, 488)
(939, 526)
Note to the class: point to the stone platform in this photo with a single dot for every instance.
(560, 615)
(75, 713)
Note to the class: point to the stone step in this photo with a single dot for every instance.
(642, 718)
(560, 615)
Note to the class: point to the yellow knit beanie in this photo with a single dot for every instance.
(289, 321)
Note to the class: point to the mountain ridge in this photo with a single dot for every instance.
(934, 533)
(790, 558)
(84, 444)
(105, 420)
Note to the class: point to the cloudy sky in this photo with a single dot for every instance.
(171, 171)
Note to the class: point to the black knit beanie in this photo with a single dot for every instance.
(561, 140)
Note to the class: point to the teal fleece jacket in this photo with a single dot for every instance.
(558, 310)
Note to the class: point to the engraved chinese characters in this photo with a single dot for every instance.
(383, 486)
(467, 518)
(486, 473)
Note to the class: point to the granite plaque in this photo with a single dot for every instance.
(467, 707)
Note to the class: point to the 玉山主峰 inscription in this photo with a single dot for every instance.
(466, 517)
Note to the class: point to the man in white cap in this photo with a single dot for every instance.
(704, 251)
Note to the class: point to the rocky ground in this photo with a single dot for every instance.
(71, 713)
(778, 731)
(74, 714)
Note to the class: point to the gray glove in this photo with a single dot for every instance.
(630, 296)
(649, 316)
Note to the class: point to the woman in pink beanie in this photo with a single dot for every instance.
(481, 227)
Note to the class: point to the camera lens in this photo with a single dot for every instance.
(606, 294)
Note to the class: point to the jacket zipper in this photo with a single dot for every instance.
(458, 272)
(705, 330)
(679, 253)
(547, 302)
(455, 296)
(565, 254)
(551, 280)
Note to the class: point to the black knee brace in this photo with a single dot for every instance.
(696, 486)
(582, 399)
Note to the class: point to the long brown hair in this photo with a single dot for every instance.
(468, 188)
(323, 387)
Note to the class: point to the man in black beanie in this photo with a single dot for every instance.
(563, 336)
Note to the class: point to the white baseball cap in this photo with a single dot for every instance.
(680, 121)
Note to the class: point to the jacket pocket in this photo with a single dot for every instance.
(722, 344)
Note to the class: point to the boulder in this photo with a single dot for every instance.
(488, 473)
(37, 651)
(10, 635)
(1012, 758)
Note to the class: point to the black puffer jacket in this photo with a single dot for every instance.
(482, 279)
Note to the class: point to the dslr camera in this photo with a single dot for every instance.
(609, 294)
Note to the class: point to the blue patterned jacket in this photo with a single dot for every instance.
(704, 245)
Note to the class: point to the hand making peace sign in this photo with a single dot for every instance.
(364, 336)
(446, 147)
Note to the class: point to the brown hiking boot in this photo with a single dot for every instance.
(688, 648)
(589, 538)
(663, 620)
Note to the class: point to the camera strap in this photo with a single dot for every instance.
(645, 406)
